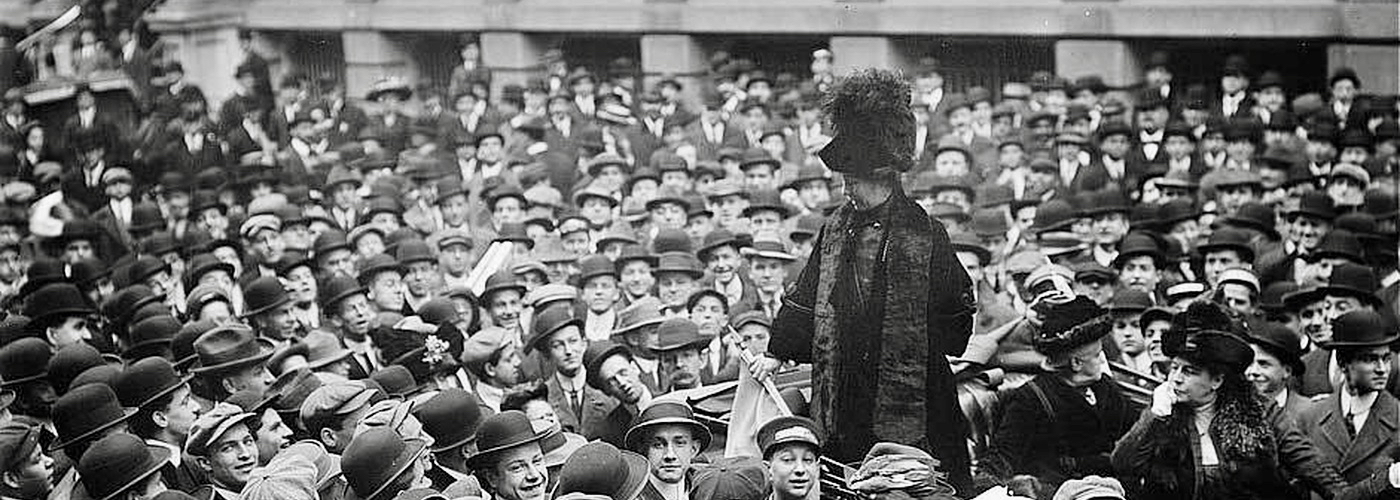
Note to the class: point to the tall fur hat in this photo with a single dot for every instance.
(872, 123)
(1072, 324)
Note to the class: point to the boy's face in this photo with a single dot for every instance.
(118, 190)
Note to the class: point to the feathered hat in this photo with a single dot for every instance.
(1211, 333)
(872, 124)
(1072, 324)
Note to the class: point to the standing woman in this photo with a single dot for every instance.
(1207, 434)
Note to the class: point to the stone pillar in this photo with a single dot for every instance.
(210, 55)
(850, 52)
(371, 56)
(1111, 59)
(679, 55)
(513, 57)
(1378, 66)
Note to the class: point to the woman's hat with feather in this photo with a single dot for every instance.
(1207, 332)
(872, 123)
(1070, 325)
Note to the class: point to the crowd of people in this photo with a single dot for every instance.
(1183, 289)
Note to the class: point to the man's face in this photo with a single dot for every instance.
(709, 314)
(698, 226)
(1267, 373)
(68, 331)
(1140, 272)
(622, 379)
(673, 288)
(600, 293)
(301, 285)
(1153, 334)
(1233, 83)
(506, 371)
(723, 262)
(267, 247)
(759, 176)
(729, 209)
(766, 222)
(339, 261)
(1095, 287)
(755, 337)
(795, 469)
(1239, 297)
(1234, 197)
(565, 350)
(1178, 147)
(950, 164)
(232, 458)
(456, 258)
(768, 275)
(598, 211)
(273, 435)
(78, 250)
(1369, 370)
(683, 367)
(489, 150)
(814, 194)
(356, 315)
(1087, 362)
(386, 291)
(1109, 228)
(454, 210)
(1218, 261)
(508, 210)
(32, 476)
(1344, 90)
(669, 450)
(1115, 146)
(520, 474)
(420, 278)
(1307, 231)
(972, 264)
(1128, 334)
(180, 414)
(504, 308)
(668, 215)
(637, 279)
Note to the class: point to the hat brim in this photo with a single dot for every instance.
(166, 391)
(23, 380)
(341, 355)
(159, 456)
(279, 303)
(629, 328)
(767, 254)
(1293, 361)
(418, 448)
(635, 433)
(60, 444)
(1379, 342)
(477, 459)
(266, 353)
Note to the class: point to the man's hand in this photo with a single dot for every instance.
(763, 367)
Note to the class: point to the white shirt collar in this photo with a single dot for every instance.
(175, 452)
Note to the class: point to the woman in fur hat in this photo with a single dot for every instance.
(1208, 435)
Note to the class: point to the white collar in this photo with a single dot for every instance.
(175, 452)
(577, 382)
(1282, 398)
(1357, 405)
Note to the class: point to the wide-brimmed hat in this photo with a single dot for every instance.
(599, 468)
(1362, 328)
(768, 248)
(501, 432)
(118, 463)
(84, 412)
(1211, 347)
(666, 412)
(323, 348)
(679, 333)
(229, 346)
(642, 312)
(451, 417)
(1347, 280)
(375, 459)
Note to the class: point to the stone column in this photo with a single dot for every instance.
(210, 54)
(850, 52)
(679, 55)
(1378, 66)
(371, 56)
(512, 56)
(1111, 59)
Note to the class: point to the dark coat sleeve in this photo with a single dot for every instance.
(793, 328)
(1014, 445)
(1297, 455)
(1132, 455)
(951, 305)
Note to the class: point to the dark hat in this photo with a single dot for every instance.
(873, 126)
(631, 253)
(500, 281)
(328, 241)
(1177, 210)
(733, 478)
(767, 199)
(1256, 216)
(1212, 347)
(788, 429)
(1362, 328)
(145, 381)
(599, 468)
(1348, 279)
(229, 346)
(1344, 73)
(514, 232)
(679, 333)
(595, 354)
(1072, 324)
(375, 264)
(1339, 243)
(375, 459)
(501, 432)
(1229, 239)
(451, 417)
(594, 265)
(1130, 300)
(1315, 204)
(1135, 244)
(70, 361)
(968, 242)
(57, 300)
(1053, 215)
(412, 251)
(679, 262)
(1280, 341)
(118, 463)
(323, 348)
(83, 412)
(339, 288)
(151, 337)
(396, 380)
(665, 412)
(548, 322)
(716, 239)
(671, 240)
(1271, 298)
(262, 295)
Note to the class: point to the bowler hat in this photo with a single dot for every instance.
(201, 264)
(665, 412)
(988, 222)
(595, 265)
(412, 251)
(514, 233)
(229, 346)
(57, 300)
(595, 354)
(1175, 211)
(1315, 204)
(1053, 215)
(716, 239)
(1256, 216)
(339, 288)
(375, 264)
(1135, 244)
(262, 295)
(328, 241)
(679, 333)
(501, 281)
(145, 381)
(634, 253)
(1347, 280)
(1338, 243)
(548, 322)
(788, 429)
(83, 412)
(69, 361)
(1280, 341)
(767, 199)
(375, 459)
(732, 478)
(680, 262)
(1229, 239)
(756, 156)
(117, 463)
(396, 380)
(1362, 328)
(599, 468)
(500, 432)
(1130, 300)
(151, 337)
(451, 417)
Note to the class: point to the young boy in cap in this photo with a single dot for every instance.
(26, 470)
(792, 448)
(223, 444)
(599, 280)
(492, 357)
(510, 462)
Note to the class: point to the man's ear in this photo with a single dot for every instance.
(203, 464)
(160, 419)
(9, 479)
(228, 385)
(50, 336)
(327, 437)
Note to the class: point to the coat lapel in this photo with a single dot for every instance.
(1334, 431)
(1378, 430)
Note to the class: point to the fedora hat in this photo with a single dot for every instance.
(501, 432)
(70, 361)
(118, 463)
(1362, 328)
(262, 295)
(182, 351)
(229, 346)
(202, 264)
(451, 417)
(679, 333)
(1229, 239)
(642, 312)
(716, 239)
(375, 459)
(595, 354)
(151, 337)
(599, 468)
(1281, 342)
(323, 348)
(145, 381)
(666, 412)
(290, 390)
(83, 412)
(679, 262)
(548, 322)
(330, 240)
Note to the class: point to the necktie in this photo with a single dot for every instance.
(1351, 424)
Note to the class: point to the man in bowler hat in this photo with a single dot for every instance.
(879, 260)
(510, 462)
